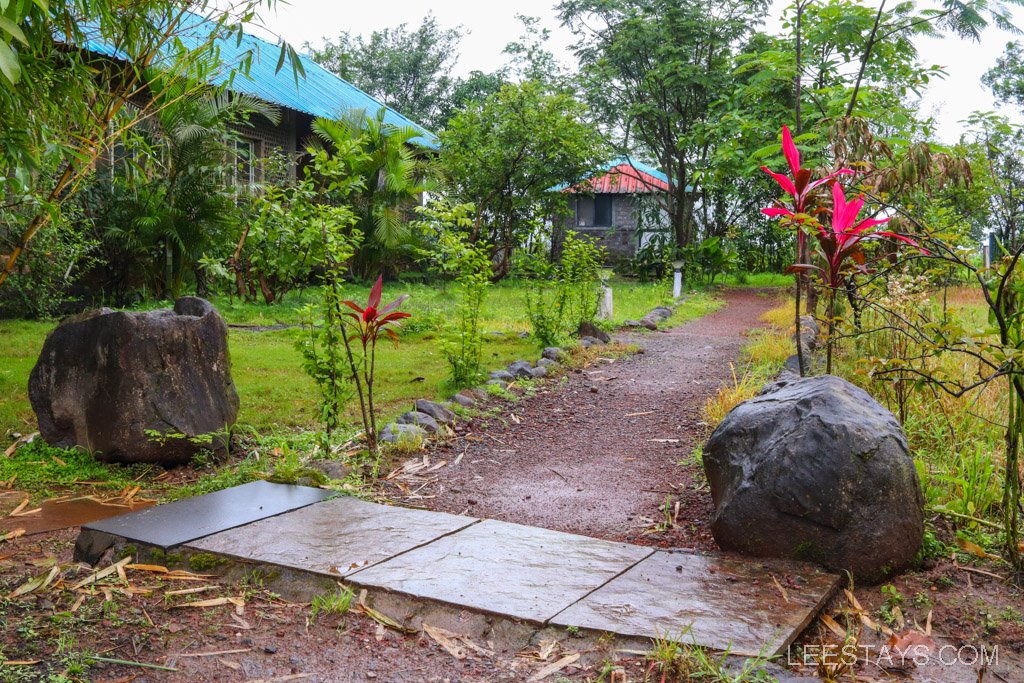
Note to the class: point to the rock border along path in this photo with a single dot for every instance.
(524, 574)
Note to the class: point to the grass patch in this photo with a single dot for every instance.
(276, 396)
(41, 469)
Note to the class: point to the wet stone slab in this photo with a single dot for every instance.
(505, 569)
(337, 537)
(724, 602)
(186, 520)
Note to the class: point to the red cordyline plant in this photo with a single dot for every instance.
(839, 245)
(802, 190)
(370, 321)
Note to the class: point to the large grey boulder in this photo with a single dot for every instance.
(810, 334)
(151, 387)
(464, 400)
(650, 321)
(815, 469)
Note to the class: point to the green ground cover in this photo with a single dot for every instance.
(276, 395)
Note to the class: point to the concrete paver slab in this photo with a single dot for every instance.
(506, 569)
(182, 521)
(336, 537)
(725, 602)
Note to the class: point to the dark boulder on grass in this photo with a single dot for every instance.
(650, 321)
(815, 469)
(152, 387)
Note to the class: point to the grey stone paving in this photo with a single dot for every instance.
(185, 520)
(337, 537)
(506, 569)
(720, 602)
(524, 573)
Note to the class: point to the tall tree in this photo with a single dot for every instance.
(64, 106)
(652, 70)
(1006, 78)
(505, 154)
(407, 70)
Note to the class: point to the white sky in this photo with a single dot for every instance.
(492, 25)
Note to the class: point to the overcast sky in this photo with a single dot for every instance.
(492, 25)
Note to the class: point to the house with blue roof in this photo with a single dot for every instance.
(302, 94)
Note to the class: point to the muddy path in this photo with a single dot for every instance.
(600, 451)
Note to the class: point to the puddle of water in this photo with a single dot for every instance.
(62, 514)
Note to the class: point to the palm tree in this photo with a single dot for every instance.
(393, 181)
(177, 197)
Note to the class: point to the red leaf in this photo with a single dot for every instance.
(394, 304)
(782, 180)
(790, 151)
(354, 306)
(375, 293)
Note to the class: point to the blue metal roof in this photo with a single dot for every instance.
(640, 166)
(318, 93)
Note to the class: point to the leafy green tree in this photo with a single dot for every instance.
(504, 155)
(169, 204)
(1006, 78)
(71, 105)
(408, 71)
(652, 71)
(394, 179)
(998, 147)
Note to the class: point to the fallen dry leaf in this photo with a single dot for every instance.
(103, 573)
(384, 619)
(11, 535)
(833, 626)
(554, 667)
(450, 646)
(974, 549)
(33, 585)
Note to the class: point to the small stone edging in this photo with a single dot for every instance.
(428, 417)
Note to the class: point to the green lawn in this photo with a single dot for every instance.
(277, 396)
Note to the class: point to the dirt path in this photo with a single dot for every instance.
(600, 452)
